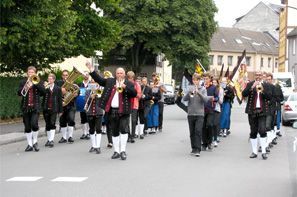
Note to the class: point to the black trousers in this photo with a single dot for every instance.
(83, 118)
(30, 120)
(161, 109)
(216, 125)
(68, 116)
(95, 124)
(133, 121)
(195, 126)
(119, 122)
(143, 116)
(108, 127)
(268, 122)
(207, 129)
(50, 119)
(257, 125)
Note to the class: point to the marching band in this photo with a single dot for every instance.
(110, 101)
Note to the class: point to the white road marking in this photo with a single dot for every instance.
(25, 178)
(69, 179)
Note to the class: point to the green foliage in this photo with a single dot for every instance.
(181, 29)
(40, 33)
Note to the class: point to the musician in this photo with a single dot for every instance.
(163, 90)
(227, 105)
(196, 114)
(217, 111)
(138, 81)
(144, 107)
(118, 105)
(209, 107)
(83, 115)
(153, 115)
(279, 100)
(68, 116)
(257, 109)
(135, 106)
(94, 115)
(51, 105)
(30, 107)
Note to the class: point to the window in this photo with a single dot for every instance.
(262, 62)
(269, 62)
(230, 60)
(220, 59)
(238, 41)
(294, 47)
(211, 59)
(248, 61)
(276, 62)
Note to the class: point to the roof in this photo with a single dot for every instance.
(236, 40)
(292, 33)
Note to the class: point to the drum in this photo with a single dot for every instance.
(80, 100)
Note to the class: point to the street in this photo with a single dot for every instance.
(158, 165)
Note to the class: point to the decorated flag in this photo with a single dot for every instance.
(227, 74)
(240, 76)
(199, 68)
(186, 80)
(221, 73)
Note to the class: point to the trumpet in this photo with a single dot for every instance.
(259, 88)
(192, 93)
(120, 89)
(34, 79)
(107, 74)
(46, 85)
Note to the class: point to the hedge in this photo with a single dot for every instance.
(10, 101)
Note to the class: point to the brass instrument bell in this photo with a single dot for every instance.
(34, 79)
(107, 74)
(120, 89)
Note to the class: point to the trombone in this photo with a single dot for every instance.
(98, 93)
(34, 79)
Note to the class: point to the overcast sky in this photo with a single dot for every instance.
(229, 10)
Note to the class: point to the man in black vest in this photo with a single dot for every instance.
(257, 109)
(116, 100)
(31, 106)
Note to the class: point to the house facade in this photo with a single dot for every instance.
(292, 57)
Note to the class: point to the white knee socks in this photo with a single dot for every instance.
(124, 138)
(35, 135)
(70, 131)
(64, 134)
(92, 136)
(98, 140)
(29, 138)
(254, 145)
(263, 143)
(116, 143)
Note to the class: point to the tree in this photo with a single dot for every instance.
(40, 33)
(181, 29)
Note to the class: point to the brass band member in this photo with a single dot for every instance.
(68, 117)
(83, 115)
(94, 115)
(31, 90)
(258, 94)
(116, 100)
(51, 105)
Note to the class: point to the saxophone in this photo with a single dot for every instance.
(70, 87)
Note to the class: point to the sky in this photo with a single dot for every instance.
(229, 10)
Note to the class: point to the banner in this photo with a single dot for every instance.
(221, 73)
(186, 80)
(199, 68)
(240, 77)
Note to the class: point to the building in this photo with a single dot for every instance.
(287, 22)
(261, 18)
(227, 45)
(292, 57)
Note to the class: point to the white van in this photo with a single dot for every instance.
(286, 80)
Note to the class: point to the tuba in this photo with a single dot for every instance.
(70, 87)
(34, 79)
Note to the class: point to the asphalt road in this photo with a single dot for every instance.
(159, 165)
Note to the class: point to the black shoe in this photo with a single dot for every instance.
(47, 143)
(264, 156)
(267, 150)
(145, 133)
(150, 132)
(197, 154)
(274, 142)
(160, 129)
(228, 132)
(87, 136)
(70, 139)
(132, 140)
(109, 145)
(270, 145)
(135, 136)
(98, 151)
(193, 152)
(51, 144)
(62, 140)
(115, 155)
(29, 148)
(129, 139)
(203, 148)
(260, 149)
(253, 155)
(83, 137)
(279, 134)
(141, 137)
(92, 149)
(35, 146)
(123, 155)
(209, 146)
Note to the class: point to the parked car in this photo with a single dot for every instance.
(169, 97)
(289, 111)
